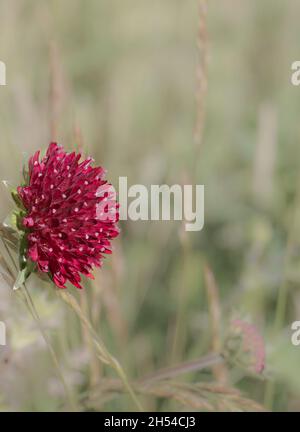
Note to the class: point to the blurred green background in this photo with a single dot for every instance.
(118, 79)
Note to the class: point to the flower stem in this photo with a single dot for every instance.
(204, 362)
(102, 352)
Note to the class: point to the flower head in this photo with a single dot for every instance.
(64, 234)
(245, 343)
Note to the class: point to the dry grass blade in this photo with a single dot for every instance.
(196, 396)
(8, 235)
(205, 362)
(201, 75)
(102, 352)
(214, 307)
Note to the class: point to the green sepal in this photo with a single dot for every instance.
(17, 199)
(21, 279)
(14, 221)
(26, 265)
(23, 252)
(19, 220)
(24, 274)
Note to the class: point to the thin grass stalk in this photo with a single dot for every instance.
(33, 311)
(201, 76)
(180, 321)
(220, 372)
(102, 352)
(207, 361)
(282, 295)
(94, 364)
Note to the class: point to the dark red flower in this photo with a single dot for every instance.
(66, 234)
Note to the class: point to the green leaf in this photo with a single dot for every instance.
(9, 236)
(24, 274)
(7, 185)
(21, 278)
(22, 252)
(10, 222)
